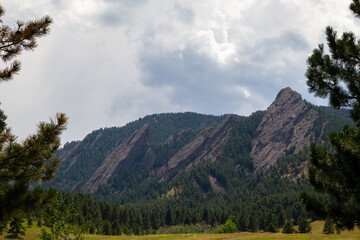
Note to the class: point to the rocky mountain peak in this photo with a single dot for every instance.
(284, 126)
(134, 151)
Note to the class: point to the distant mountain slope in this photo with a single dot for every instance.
(206, 146)
(194, 156)
(80, 159)
(133, 152)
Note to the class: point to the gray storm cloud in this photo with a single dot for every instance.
(108, 62)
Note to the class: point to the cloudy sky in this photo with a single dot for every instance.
(109, 62)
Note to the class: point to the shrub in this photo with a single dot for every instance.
(228, 227)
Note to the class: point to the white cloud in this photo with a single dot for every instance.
(109, 62)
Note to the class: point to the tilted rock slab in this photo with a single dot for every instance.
(134, 151)
(206, 146)
(285, 125)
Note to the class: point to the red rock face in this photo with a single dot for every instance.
(133, 151)
(284, 126)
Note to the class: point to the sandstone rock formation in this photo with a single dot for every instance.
(206, 146)
(285, 126)
(133, 152)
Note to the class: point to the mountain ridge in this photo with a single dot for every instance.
(205, 153)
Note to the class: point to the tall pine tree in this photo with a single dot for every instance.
(335, 171)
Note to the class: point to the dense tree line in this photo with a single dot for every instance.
(253, 202)
(254, 208)
(262, 202)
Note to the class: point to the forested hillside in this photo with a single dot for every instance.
(81, 158)
(198, 168)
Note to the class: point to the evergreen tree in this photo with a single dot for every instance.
(106, 228)
(336, 172)
(243, 223)
(155, 222)
(16, 227)
(271, 228)
(178, 217)
(39, 223)
(187, 220)
(329, 227)
(146, 223)
(32, 160)
(138, 224)
(282, 218)
(169, 217)
(92, 229)
(288, 227)
(23, 37)
(253, 224)
(205, 216)
(116, 227)
(304, 226)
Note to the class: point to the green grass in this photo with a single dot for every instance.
(34, 232)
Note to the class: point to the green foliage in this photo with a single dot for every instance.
(329, 120)
(169, 217)
(2, 227)
(258, 199)
(106, 228)
(272, 228)
(239, 145)
(337, 175)
(59, 218)
(16, 227)
(288, 227)
(32, 160)
(252, 201)
(228, 227)
(30, 222)
(22, 37)
(164, 151)
(335, 171)
(329, 227)
(334, 75)
(183, 229)
(304, 226)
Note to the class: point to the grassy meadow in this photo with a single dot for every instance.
(317, 227)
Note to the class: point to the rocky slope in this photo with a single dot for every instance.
(206, 146)
(162, 151)
(134, 151)
(285, 127)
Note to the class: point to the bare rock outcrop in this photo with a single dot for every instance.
(132, 152)
(206, 146)
(284, 126)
